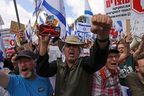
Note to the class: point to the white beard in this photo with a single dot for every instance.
(27, 76)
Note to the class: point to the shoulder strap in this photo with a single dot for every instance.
(103, 76)
(102, 73)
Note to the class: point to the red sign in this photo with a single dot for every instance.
(12, 42)
(116, 2)
(138, 6)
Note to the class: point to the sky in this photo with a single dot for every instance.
(73, 8)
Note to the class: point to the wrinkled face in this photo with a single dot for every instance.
(71, 52)
(26, 67)
(140, 67)
(112, 61)
(121, 48)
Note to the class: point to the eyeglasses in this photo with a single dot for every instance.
(114, 56)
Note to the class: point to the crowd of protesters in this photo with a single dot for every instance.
(103, 67)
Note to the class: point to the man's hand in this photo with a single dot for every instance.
(128, 38)
(101, 25)
(44, 39)
(43, 43)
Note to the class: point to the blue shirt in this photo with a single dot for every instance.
(19, 86)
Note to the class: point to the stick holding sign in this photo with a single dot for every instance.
(22, 38)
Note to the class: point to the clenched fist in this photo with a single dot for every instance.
(101, 24)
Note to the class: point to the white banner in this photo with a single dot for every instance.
(137, 17)
(1, 21)
(137, 26)
(118, 9)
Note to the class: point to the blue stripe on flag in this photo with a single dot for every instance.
(84, 25)
(82, 32)
(88, 12)
(28, 36)
(120, 24)
(36, 9)
(41, 20)
(55, 12)
(68, 31)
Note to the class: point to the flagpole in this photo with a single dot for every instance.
(17, 14)
(22, 39)
(37, 13)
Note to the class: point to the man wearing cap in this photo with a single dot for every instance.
(106, 80)
(74, 75)
(28, 83)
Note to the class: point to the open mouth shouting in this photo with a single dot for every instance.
(71, 53)
(25, 72)
(113, 63)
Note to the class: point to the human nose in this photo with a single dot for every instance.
(21, 63)
(114, 58)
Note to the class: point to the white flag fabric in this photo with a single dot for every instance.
(87, 8)
(2, 48)
(28, 32)
(68, 30)
(56, 8)
(42, 17)
(1, 21)
(41, 20)
(37, 4)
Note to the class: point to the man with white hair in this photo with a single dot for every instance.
(28, 83)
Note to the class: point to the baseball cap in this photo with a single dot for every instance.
(113, 50)
(27, 54)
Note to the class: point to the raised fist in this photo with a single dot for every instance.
(101, 24)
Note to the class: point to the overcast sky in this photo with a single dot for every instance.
(74, 8)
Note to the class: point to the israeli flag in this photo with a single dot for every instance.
(83, 31)
(42, 18)
(118, 26)
(56, 8)
(28, 32)
(68, 30)
(83, 27)
(37, 4)
(2, 48)
(87, 8)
